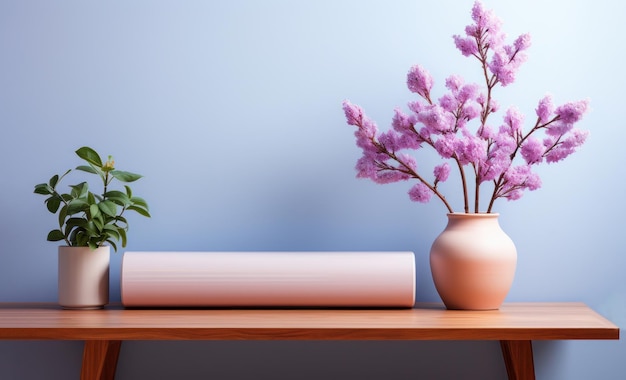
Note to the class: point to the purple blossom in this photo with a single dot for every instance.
(493, 167)
(562, 150)
(419, 81)
(467, 92)
(485, 132)
(449, 103)
(354, 113)
(420, 193)
(417, 106)
(570, 113)
(446, 145)
(408, 161)
(504, 143)
(545, 109)
(470, 112)
(402, 122)
(513, 121)
(502, 67)
(366, 168)
(470, 149)
(390, 176)
(442, 172)
(389, 140)
(532, 151)
(577, 139)
(466, 45)
(490, 154)
(522, 42)
(454, 83)
(436, 119)
(519, 178)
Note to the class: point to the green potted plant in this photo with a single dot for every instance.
(90, 224)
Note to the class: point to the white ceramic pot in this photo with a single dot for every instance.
(83, 277)
(473, 262)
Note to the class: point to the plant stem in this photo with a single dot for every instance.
(464, 182)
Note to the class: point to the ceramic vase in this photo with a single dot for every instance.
(473, 262)
(83, 277)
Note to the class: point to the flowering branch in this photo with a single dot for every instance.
(443, 125)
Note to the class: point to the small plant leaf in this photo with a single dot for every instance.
(53, 203)
(76, 222)
(88, 169)
(90, 156)
(43, 189)
(80, 190)
(55, 235)
(125, 176)
(123, 236)
(62, 215)
(118, 197)
(139, 210)
(108, 207)
(94, 210)
(54, 180)
(137, 201)
(112, 245)
(76, 206)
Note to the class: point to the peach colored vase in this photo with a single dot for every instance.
(473, 262)
(83, 277)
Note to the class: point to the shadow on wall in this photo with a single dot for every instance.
(311, 360)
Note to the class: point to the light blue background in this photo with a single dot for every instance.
(232, 111)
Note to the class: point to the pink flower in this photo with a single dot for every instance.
(420, 193)
(466, 45)
(570, 113)
(419, 81)
(389, 140)
(408, 161)
(417, 106)
(436, 119)
(454, 83)
(449, 103)
(354, 113)
(442, 172)
(446, 145)
(493, 167)
(567, 146)
(470, 149)
(513, 121)
(522, 42)
(470, 112)
(384, 177)
(485, 132)
(532, 151)
(545, 109)
(366, 168)
(577, 139)
(518, 178)
(502, 67)
(489, 154)
(402, 122)
(467, 92)
(485, 22)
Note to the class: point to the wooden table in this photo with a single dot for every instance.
(515, 325)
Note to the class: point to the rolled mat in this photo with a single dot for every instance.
(268, 279)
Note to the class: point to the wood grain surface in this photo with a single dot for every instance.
(514, 321)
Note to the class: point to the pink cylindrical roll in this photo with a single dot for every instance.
(272, 279)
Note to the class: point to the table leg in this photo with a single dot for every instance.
(100, 359)
(518, 358)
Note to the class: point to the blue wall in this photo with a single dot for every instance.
(232, 111)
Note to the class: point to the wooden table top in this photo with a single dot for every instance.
(514, 321)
